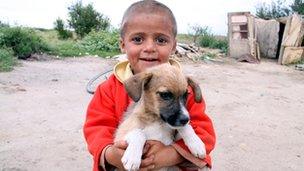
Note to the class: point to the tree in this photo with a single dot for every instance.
(274, 10)
(298, 6)
(62, 31)
(83, 19)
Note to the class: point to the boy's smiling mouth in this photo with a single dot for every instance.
(149, 59)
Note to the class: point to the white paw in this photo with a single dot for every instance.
(197, 147)
(131, 161)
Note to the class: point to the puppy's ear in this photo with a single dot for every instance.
(136, 84)
(196, 89)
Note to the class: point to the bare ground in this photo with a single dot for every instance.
(257, 110)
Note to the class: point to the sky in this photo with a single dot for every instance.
(43, 13)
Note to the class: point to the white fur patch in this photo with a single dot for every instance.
(183, 109)
(193, 142)
(160, 132)
(132, 157)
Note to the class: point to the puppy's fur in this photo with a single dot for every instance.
(160, 95)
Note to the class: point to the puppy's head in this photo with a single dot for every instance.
(163, 92)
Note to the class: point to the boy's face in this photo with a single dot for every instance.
(148, 40)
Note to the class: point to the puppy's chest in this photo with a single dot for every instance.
(159, 132)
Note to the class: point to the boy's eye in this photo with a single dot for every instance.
(137, 40)
(161, 40)
(166, 95)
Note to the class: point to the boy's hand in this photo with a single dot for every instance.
(163, 155)
(115, 152)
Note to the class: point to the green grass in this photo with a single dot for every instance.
(70, 47)
(184, 38)
(7, 59)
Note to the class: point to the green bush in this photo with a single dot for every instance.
(23, 41)
(84, 19)
(101, 41)
(63, 33)
(214, 43)
(7, 59)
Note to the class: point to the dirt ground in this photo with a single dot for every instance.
(257, 110)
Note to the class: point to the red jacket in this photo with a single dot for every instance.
(105, 112)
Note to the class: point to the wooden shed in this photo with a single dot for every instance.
(280, 39)
(242, 35)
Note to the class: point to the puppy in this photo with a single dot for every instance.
(160, 95)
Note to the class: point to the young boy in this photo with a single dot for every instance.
(148, 37)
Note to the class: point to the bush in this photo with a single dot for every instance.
(7, 59)
(63, 33)
(23, 41)
(84, 19)
(101, 41)
(207, 39)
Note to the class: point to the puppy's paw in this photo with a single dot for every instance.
(197, 147)
(131, 161)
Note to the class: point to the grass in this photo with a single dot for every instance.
(7, 59)
(184, 38)
(69, 47)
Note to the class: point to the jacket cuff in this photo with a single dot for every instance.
(102, 160)
(99, 157)
(192, 161)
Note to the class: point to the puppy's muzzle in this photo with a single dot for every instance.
(176, 120)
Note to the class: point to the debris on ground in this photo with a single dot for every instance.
(248, 58)
(299, 67)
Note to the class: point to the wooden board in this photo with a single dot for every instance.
(292, 55)
(268, 37)
(295, 33)
(288, 22)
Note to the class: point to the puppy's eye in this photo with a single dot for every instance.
(166, 95)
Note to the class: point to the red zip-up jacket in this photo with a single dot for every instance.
(106, 110)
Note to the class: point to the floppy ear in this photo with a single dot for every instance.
(196, 89)
(136, 84)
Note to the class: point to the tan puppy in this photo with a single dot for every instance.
(160, 96)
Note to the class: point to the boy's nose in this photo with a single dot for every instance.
(150, 46)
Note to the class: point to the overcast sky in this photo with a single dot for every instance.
(43, 13)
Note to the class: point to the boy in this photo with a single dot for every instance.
(148, 37)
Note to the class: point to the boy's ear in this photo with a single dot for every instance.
(137, 84)
(196, 89)
(122, 45)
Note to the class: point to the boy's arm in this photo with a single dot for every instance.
(203, 127)
(100, 124)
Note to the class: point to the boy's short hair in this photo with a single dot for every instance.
(147, 6)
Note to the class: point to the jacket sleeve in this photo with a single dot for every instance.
(203, 127)
(100, 123)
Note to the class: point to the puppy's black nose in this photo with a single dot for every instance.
(184, 119)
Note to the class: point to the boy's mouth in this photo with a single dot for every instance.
(149, 59)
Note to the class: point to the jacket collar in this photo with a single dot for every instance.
(122, 70)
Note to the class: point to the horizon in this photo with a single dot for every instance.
(40, 14)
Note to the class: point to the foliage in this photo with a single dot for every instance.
(23, 41)
(274, 10)
(101, 41)
(196, 31)
(184, 38)
(84, 19)
(7, 59)
(207, 39)
(2, 24)
(298, 6)
(63, 33)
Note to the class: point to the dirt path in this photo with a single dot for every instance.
(257, 112)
